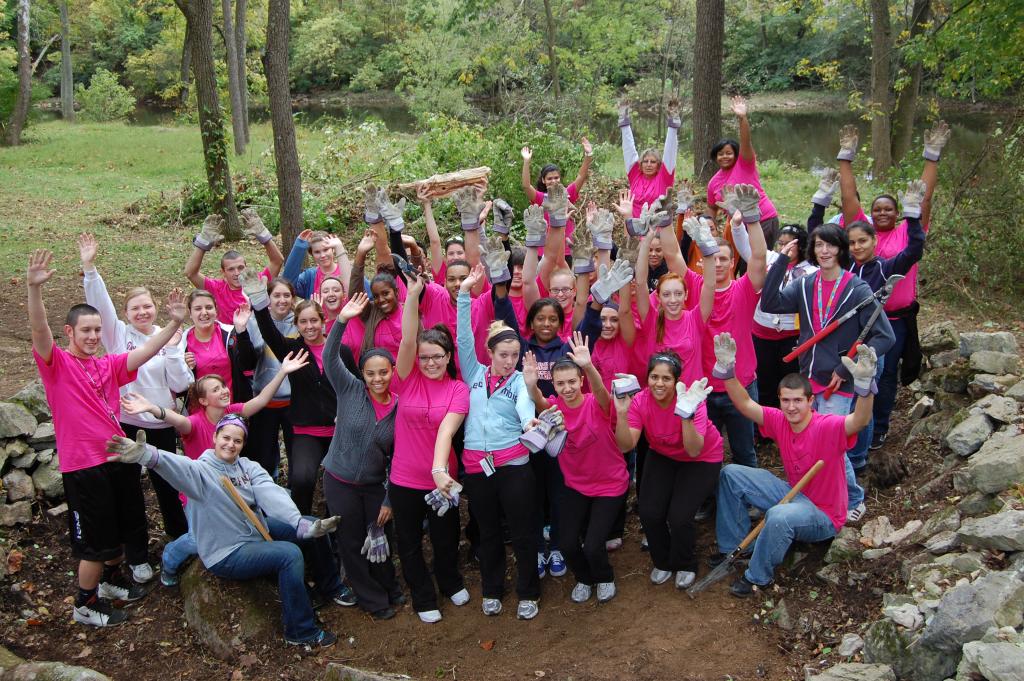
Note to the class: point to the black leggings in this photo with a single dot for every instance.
(512, 490)
(550, 486)
(672, 493)
(410, 509)
(166, 496)
(589, 518)
(375, 584)
(304, 468)
(263, 446)
(771, 369)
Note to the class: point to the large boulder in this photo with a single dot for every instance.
(16, 420)
(44, 438)
(1017, 391)
(1002, 531)
(855, 671)
(340, 672)
(18, 486)
(33, 398)
(938, 337)
(226, 615)
(978, 503)
(997, 661)
(989, 362)
(999, 409)
(48, 480)
(999, 464)
(887, 643)
(967, 611)
(20, 512)
(13, 668)
(969, 435)
(1000, 341)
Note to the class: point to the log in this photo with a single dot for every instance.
(439, 186)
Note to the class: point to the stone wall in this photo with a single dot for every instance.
(29, 467)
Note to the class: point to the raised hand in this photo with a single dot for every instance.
(371, 205)
(494, 255)
(321, 527)
(354, 307)
(826, 187)
(87, 248)
(684, 197)
(582, 250)
(651, 216)
(336, 245)
(502, 216)
(254, 227)
(588, 148)
(38, 272)
(699, 230)
(624, 114)
(254, 287)
(415, 285)
(241, 316)
(556, 203)
(580, 353)
(294, 361)
(688, 400)
(530, 369)
(469, 202)
(526, 153)
(177, 310)
(391, 212)
(476, 275)
(624, 206)
(306, 234)
(134, 403)
(912, 198)
(725, 356)
(728, 202)
(536, 226)
(124, 450)
(748, 202)
(423, 194)
(739, 106)
(625, 385)
(211, 233)
(601, 227)
(935, 139)
(863, 370)
(629, 251)
(848, 137)
(367, 243)
(611, 280)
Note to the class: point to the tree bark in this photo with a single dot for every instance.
(199, 16)
(707, 84)
(286, 154)
(67, 82)
(234, 87)
(185, 72)
(881, 108)
(906, 103)
(241, 43)
(24, 97)
(552, 58)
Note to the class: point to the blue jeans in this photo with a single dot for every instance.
(842, 405)
(283, 557)
(178, 552)
(889, 381)
(859, 454)
(738, 427)
(800, 519)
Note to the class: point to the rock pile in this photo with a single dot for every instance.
(28, 455)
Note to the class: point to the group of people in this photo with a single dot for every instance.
(536, 381)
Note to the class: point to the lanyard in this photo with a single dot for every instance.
(497, 384)
(97, 387)
(823, 314)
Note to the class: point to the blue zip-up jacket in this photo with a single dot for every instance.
(877, 270)
(302, 279)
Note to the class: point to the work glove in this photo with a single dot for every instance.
(935, 139)
(556, 203)
(601, 228)
(254, 288)
(912, 198)
(556, 433)
(729, 202)
(536, 227)
(725, 356)
(624, 120)
(502, 216)
(375, 548)
(826, 188)
(391, 212)
(684, 197)
(537, 437)
(321, 527)
(848, 137)
(609, 281)
(128, 451)
(210, 234)
(440, 503)
(672, 118)
(495, 257)
(625, 385)
(699, 230)
(689, 399)
(863, 370)
(371, 208)
(582, 250)
(254, 227)
(748, 202)
(469, 202)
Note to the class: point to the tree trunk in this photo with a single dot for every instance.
(552, 59)
(286, 154)
(234, 87)
(240, 48)
(185, 73)
(67, 83)
(881, 109)
(199, 16)
(707, 84)
(664, 74)
(906, 104)
(24, 97)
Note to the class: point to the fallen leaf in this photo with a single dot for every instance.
(33, 622)
(14, 559)
(85, 652)
(248, 660)
(487, 645)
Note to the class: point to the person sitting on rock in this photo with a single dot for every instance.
(804, 437)
(229, 544)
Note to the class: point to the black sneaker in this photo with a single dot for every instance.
(383, 614)
(741, 588)
(346, 597)
(99, 613)
(877, 441)
(322, 639)
(119, 591)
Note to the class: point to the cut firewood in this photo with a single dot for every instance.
(439, 186)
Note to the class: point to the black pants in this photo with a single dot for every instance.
(304, 468)
(673, 491)
(550, 485)
(771, 369)
(512, 490)
(166, 496)
(618, 528)
(410, 509)
(589, 518)
(375, 584)
(263, 446)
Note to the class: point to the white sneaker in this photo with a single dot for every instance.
(581, 593)
(684, 579)
(856, 513)
(99, 613)
(660, 576)
(460, 597)
(430, 616)
(527, 610)
(605, 591)
(121, 592)
(613, 544)
(491, 606)
(142, 573)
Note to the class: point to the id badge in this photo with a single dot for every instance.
(487, 463)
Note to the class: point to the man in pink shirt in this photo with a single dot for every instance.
(227, 291)
(804, 437)
(105, 501)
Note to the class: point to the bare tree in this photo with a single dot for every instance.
(906, 103)
(881, 104)
(286, 154)
(67, 82)
(24, 97)
(707, 84)
(234, 86)
(240, 48)
(550, 40)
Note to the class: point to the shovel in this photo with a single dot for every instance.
(725, 567)
(243, 507)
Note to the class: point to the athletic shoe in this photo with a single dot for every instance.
(613, 544)
(383, 614)
(322, 639)
(877, 441)
(542, 566)
(142, 573)
(430, 616)
(527, 610)
(121, 592)
(705, 511)
(556, 564)
(169, 579)
(856, 513)
(491, 606)
(742, 588)
(581, 593)
(346, 597)
(460, 597)
(605, 591)
(99, 613)
(660, 576)
(685, 578)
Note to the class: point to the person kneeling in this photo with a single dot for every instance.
(803, 436)
(228, 544)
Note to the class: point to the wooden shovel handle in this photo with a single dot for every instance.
(797, 488)
(233, 493)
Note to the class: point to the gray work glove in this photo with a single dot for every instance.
(728, 202)
(624, 121)
(321, 527)
(254, 288)
(863, 370)
(611, 280)
(391, 212)
(663, 219)
(582, 250)
(601, 228)
(672, 118)
(440, 503)
(935, 139)
(536, 226)
(912, 198)
(502, 216)
(124, 450)
(848, 137)
(371, 209)
(826, 188)
(556, 203)
(688, 400)
(469, 202)
(375, 548)
(254, 227)
(725, 356)
(684, 197)
(495, 257)
(748, 201)
(556, 433)
(211, 233)
(699, 230)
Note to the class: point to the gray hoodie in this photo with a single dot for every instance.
(218, 524)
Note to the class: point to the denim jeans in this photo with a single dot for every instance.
(889, 381)
(178, 552)
(800, 519)
(859, 454)
(842, 405)
(738, 427)
(284, 558)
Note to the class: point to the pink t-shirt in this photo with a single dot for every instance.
(733, 312)
(318, 279)
(824, 438)
(591, 461)
(84, 398)
(664, 430)
(744, 171)
(574, 196)
(890, 243)
(200, 438)
(211, 356)
(519, 307)
(382, 410)
(422, 405)
(647, 189)
(227, 297)
(612, 357)
(684, 335)
(388, 334)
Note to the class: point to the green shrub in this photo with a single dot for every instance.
(105, 99)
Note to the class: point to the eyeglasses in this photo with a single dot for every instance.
(561, 290)
(432, 359)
